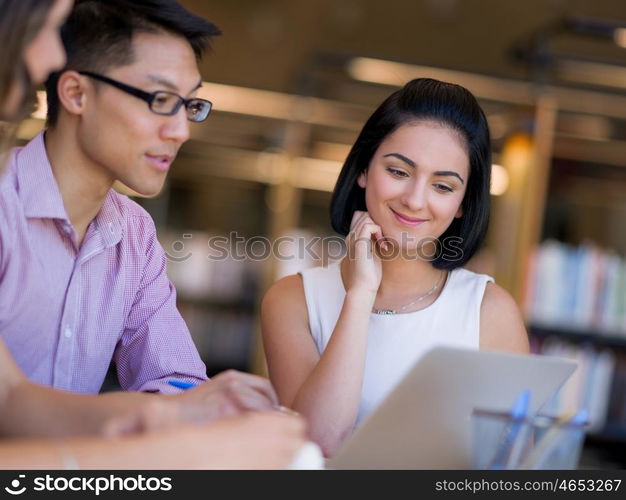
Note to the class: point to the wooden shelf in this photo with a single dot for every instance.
(608, 339)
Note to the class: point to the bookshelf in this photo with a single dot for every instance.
(579, 336)
(576, 290)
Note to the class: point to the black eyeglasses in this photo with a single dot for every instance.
(161, 102)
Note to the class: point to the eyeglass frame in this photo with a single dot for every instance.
(149, 97)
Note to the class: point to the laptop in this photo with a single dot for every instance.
(426, 421)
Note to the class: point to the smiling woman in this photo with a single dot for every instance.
(412, 200)
(410, 189)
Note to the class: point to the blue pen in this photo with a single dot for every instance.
(517, 417)
(181, 385)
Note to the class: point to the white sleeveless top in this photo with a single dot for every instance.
(396, 342)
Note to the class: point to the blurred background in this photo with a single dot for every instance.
(292, 83)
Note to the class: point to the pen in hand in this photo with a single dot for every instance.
(188, 385)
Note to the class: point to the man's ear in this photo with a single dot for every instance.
(362, 179)
(71, 92)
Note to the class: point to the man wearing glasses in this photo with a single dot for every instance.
(82, 276)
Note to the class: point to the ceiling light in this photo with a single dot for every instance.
(499, 180)
(619, 36)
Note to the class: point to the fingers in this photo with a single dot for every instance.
(259, 384)
(357, 222)
(287, 411)
(372, 232)
(273, 439)
(254, 440)
(356, 217)
(279, 421)
(227, 394)
(364, 229)
(288, 438)
(245, 398)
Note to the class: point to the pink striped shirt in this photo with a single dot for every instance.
(66, 312)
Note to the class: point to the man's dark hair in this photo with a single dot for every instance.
(98, 35)
(450, 105)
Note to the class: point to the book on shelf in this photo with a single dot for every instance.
(579, 288)
(591, 387)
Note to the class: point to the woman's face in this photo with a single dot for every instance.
(416, 181)
(44, 54)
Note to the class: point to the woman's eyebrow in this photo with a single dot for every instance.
(401, 157)
(449, 172)
(411, 163)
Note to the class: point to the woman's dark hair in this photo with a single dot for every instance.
(452, 106)
(98, 35)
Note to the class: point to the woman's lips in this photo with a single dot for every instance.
(406, 220)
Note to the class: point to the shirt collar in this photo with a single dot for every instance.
(109, 220)
(38, 189)
(41, 197)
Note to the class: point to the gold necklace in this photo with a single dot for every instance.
(414, 301)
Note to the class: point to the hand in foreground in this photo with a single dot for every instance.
(259, 440)
(252, 440)
(161, 413)
(227, 394)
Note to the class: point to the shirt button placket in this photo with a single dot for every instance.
(64, 365)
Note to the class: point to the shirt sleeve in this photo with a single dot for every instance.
(155, 345)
